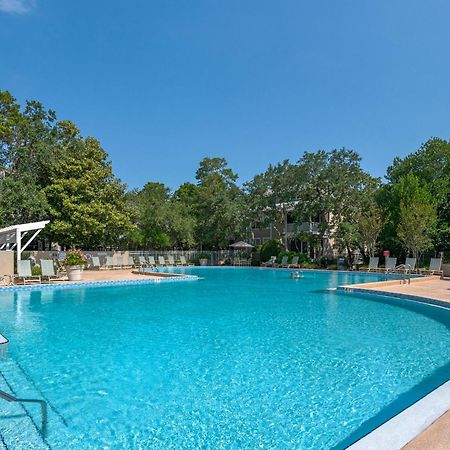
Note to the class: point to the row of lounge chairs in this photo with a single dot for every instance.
(141, 262)
(435, 267)
(48, 273)
(294, 264)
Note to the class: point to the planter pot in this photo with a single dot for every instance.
(74, 273)
(446, 270)
(203, 262)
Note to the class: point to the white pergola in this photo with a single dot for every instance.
(11, 237)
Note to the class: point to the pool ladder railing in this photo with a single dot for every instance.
(42, 403)
(407, 268)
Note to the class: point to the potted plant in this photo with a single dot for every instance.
(203, 259)
(74, 262)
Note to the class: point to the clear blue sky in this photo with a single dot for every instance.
(164, 83)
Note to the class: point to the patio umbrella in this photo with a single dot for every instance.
(241, 244)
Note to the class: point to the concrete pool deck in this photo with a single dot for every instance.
(431, 287)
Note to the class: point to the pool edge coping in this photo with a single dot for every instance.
(405, 426)
(100, 283)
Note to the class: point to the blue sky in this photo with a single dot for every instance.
(164, 83)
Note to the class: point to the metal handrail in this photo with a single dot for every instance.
(11, 398)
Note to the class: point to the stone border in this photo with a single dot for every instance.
(407, 425)
(64, 285)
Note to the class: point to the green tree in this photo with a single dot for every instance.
(333, 188)
(431, 165)
(220, 205)
(270, 196)
(415, 228)
(87, 203)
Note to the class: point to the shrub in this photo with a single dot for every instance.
(75, 258)
(36, 271)
(270, 248)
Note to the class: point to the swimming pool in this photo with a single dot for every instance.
(242, 358)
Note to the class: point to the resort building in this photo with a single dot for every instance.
(305, 237)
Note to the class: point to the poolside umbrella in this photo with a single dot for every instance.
(241, 244)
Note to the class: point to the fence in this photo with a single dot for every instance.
(214, 257)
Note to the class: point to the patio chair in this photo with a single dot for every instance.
(391, 263)
(48, 271)
(119, 262)
(109, 263)
(373, 263)
(131, 262)
(151, 261)
(161, 261)
(408, 267)
(284, 262)
(171, 261)
(95, 263)
(270, 263)
(183, 261)
(142, 261)
(435, 267)
(294, 262)
(24, 273)
(445, 271)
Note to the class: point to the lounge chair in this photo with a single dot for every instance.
(183, 261)
(171, 261)
(109, 263)
(294, 262)
(142, 261)
(161, 261)
(48, 271)
(445, 271)
(435, 267)
(119, 262)
(373, 264)
(410, 264)
(284, 262)
(131, 262)
(151, 261)
(24, 273)
(391, 263)
(270, 263)
(95, 263)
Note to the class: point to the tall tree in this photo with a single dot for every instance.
(221, 210)
(87, 203)
(271, 195)
(431, 165)
(332, 187)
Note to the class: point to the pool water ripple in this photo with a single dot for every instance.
(244, 358)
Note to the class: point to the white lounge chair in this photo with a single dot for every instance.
(171, 261)
(183, 261)
(435, 267)
(131, 262)
(294, 262)
(48, 271)
(408, 267)
(24, 273)
(142, 261)
(161, 261)
(284, 262)
(391, 263)
(151, 261)
(270, 263)
(373, 263)
(109, 263)
(95, 263)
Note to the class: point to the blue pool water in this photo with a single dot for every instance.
(243, 358)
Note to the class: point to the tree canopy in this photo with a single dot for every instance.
(49, 170)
